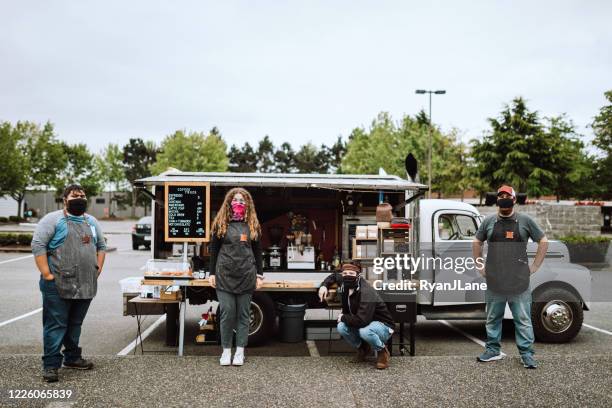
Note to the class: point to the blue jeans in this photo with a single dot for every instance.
(520, 306)
(62, 320)
(376, 334)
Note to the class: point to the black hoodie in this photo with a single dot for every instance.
(363, 306)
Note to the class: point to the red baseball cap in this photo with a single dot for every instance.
(506, 189)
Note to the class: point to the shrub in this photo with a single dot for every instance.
(3, 219)
(583, 239)
(9, 238)
(14, 218)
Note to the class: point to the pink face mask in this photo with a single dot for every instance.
(238, 210)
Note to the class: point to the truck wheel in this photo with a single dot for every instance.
(557, 315)
(263, 318)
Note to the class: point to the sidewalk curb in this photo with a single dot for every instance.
(27, 250)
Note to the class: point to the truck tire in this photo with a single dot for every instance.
(556, 314)
(263, 318)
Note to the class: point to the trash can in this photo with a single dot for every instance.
(291, 322)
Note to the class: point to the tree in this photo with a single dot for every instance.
(191, 152)
(385, 145)
(335, 153)
(602, 127)
(536, 156)
(110, 166)
(284, 158)
(138, 157)
(80, 168)
(37, 158)
(242, 160)
(11, 165)
(504, 154)
(568, 161)
(310, 159)
(265, 156)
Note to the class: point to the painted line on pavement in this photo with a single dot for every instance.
(469, 336)
(597, 329)
(143, 336)
(312, 348)
(14, 319)
(16, 259)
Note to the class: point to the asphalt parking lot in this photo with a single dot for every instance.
(443, 373)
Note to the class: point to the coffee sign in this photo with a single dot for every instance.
(187, 212)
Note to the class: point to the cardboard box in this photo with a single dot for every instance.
(171, 293)
(372, 231)
(361, 232)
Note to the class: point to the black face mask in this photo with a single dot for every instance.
(505, 203)
(77, 206)
(350, 282)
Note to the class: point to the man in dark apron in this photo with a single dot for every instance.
(68, 247)
(507, 272)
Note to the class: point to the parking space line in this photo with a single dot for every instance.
(597, 329)
(14, 319)
(312, 348)
(469, 336)
(143, 336)
(16, 259)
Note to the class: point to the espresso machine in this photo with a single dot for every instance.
(300, 251)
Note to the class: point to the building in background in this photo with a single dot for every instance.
(44, 202)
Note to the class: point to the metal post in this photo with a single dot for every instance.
(183, 308)
(182, 327)
(429, 174)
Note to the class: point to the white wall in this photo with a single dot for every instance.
(8, 207)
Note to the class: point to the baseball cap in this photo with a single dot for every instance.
(506, 189)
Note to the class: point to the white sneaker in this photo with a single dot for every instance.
(238, 357)
(226, 357)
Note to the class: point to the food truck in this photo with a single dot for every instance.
(313, 222)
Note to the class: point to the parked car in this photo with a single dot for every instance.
(141, 233)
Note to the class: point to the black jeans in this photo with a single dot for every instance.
(62, 320)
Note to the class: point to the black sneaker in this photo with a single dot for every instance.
(50, 375)
(80, 364)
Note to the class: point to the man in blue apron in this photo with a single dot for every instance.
(507, 272)
(68, 247)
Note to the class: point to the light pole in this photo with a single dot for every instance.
(429, 173)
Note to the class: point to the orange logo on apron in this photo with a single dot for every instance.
(243, 237)
(509, 234)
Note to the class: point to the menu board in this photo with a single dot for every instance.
(187, 212)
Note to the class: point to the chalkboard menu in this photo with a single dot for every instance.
(187, 212)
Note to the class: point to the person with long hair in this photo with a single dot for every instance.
(235, 269)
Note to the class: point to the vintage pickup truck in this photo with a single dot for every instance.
(338, 204)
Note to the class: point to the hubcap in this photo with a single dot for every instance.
(256, 318)
(557, 316)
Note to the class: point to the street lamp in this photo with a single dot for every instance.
(429, 173)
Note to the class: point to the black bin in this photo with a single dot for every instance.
(401, 305)
(291, 322)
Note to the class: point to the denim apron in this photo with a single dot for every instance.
(236, 270)
(507, 267)
(75, 264)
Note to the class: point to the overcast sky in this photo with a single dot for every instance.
(298, 71)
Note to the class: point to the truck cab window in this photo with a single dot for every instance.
(456, 227)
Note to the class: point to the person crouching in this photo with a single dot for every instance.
(365, 322)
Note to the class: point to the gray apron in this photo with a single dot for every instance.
(75, 264)
(236, 270)
(507, 267)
